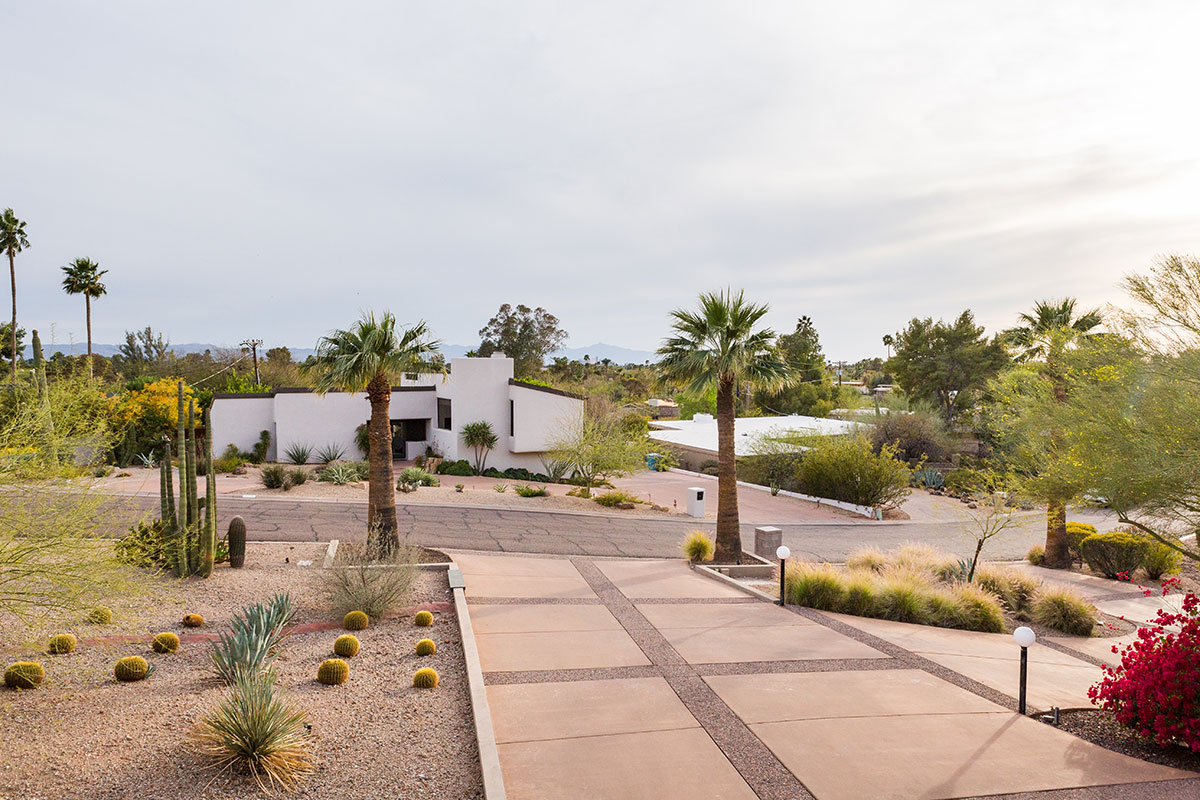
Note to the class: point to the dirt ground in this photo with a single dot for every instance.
(84, 735)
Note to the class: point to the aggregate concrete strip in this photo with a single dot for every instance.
(489, 755)
(568, 675)
(758, 766)
(694, 601)
(1070, 651)
(535, 601)
(816, 665)
(1155, 790)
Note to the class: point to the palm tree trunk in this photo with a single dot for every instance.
(381, 494)
(729, 529)
(12, 274)
(87, 299)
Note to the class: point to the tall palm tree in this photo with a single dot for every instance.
(13, 241)
(366, 358)
(717, 345)
(1044, 336)
(83, 277)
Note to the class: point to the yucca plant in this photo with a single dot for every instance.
(256, 729)
(330, 453)
(298, 452)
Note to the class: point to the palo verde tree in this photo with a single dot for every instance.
(367, 358)
(480, 437)
(12, 241)
(718, 346)
(599, 445)
(83, 277)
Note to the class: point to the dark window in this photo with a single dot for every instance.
(512, 419)
(444, 414)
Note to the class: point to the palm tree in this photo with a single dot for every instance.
(888, 341)
(13, 241)
(1043, 336)
(717, 345)
(366, 358)
(83, 277)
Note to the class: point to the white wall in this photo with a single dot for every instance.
(539, 418)
(320, 420)
(238, 421)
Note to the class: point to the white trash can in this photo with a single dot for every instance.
(695, 502)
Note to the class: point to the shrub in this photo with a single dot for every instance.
(615, 498)
(1076, 533)
(100, 615)
(333, 672)
(526, 490)
(356, 621)
(846, 468)
(1153, 689)
(426, 678)
(925, 559)
(1064, 610)
(144, 546)
(193, 621)
(165, 643)
(913, 437)
(298, 452)
(709, 467)
(371, 585)
(426, 647)
(423, 619)
(870, 558)
(275, 476)
(460, 468)
(61, 644)
(131, 668)
(24, 675)
(1114, 554)
(258, 453)
(256, 729)
(1015, 589)
(1161, 560)
(330, 453)
(1036, 555)
(229, 460)
(418, 476)
(346, 646)
(362, 440)
(813, 586)
(697, 547)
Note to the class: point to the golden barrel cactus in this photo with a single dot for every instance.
(165, 643)
(131, 668)
(24, 675)
(333, 672)
(193, 621)
(426, 678)
(426, 647)
(100, 615)
(356, 621)
(423, 619)
(346, 646)
(61, 644)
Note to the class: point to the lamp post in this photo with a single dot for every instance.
(782, 552)
(1024, 637)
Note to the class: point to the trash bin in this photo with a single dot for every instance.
(653, 461)
(695, 502)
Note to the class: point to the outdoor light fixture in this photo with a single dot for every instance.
(782, 552)
(1024, 637)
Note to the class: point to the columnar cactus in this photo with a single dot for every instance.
(194, 539)
(346, 646)
(426, 678)
(165, 643)
(426, 647)
(356, 621)
(61, 644)
(24, 675)
(333, 671)
(236, 541)
(131, 668)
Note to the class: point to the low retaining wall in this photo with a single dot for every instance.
(866, 511)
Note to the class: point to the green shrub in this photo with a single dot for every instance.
(145, 545)
(258, 453)
(415, 476)
(1036, 555)
(526, 490)
(912, 437)
(615, 497)
(298, 453)
(698, 547)
(1161, 560)
(297, 476)
(330, 453)
(813, 586)
(1076, 533)
(959, 481)
(709, 467)
(459, 469)
(846, 468)
(230, 460)
(362, 440)
(1064, 610)
(274, 476)
(1115, 553)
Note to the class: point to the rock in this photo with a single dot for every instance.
(625, 506)
(972, 505)
(238, 470)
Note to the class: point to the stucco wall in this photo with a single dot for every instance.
(539, 418)
(238, 421)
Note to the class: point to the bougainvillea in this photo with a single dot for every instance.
(1155, 690)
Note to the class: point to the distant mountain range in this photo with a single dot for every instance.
(597, 352)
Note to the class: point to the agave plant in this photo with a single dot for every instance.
(330, 453)
(248, 648)
(340, 474)
(149, 460)
(298, 452)
(929, 478)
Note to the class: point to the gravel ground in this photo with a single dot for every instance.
(1100, 728)
(83, 735)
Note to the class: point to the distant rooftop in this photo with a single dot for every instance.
(700, 432)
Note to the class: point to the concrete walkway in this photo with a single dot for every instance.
(642, 679)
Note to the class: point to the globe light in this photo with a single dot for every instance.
(1024, 636)
(782, 552)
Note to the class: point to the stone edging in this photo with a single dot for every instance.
(485, 737)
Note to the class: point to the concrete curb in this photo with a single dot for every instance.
(485, 737)
(712, 574)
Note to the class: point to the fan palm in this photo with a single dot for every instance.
(717, 346)
(12, 241)
(83, 277)
(1043, 336)
(366, 358)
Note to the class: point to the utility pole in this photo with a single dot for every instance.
(840, 366)
(254, 344)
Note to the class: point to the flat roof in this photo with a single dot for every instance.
(702, 434)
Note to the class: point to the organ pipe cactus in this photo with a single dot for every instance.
(193, 538)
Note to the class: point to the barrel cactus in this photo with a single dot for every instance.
(24, 675)
(131, 668)
(235, 539)
(61, 644)
(423, 619)
(193, 621)
(165, 643)
(426, 678)
(333, 672)
(346, 646)
(356, 621)
(100, 615)
(426, 647)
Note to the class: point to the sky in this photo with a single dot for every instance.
(270, 170)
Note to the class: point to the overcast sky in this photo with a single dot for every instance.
(269, 170)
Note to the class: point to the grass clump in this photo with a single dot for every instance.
(529, 490)
(697, 547)
(1015, 589)
(372, 584)
(1064, 610)
(818, 586)
(1036, 555)
(868, 558)
(298, 452)
(616, 497)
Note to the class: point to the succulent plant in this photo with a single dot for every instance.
(61, 644)
(356, 621)
(100, 615)
(346, 646)
(236, 539)
(426, 647)
(165, 643)
(426, 678)
(24, 675)
(193, 621)
(423, 619)
(333, 672)
(131, 668)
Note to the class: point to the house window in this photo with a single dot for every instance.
(512, 418)
(444, 414)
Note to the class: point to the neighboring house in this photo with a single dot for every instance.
(694, 441)
(427, 411)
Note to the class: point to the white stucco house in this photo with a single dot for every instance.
(426, 411)
(695, 440)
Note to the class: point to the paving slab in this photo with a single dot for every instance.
(944, 756)
(1141, 610)
(1096, 647)
(779, 697)
(525, 586)
(716, 615)
(529, 566)
(653, 765)
(588, 649)
(735, 644)
(542, 618)
(1090, 586)
(662, 579)
(527, 712)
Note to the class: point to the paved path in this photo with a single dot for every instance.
(642, 679)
